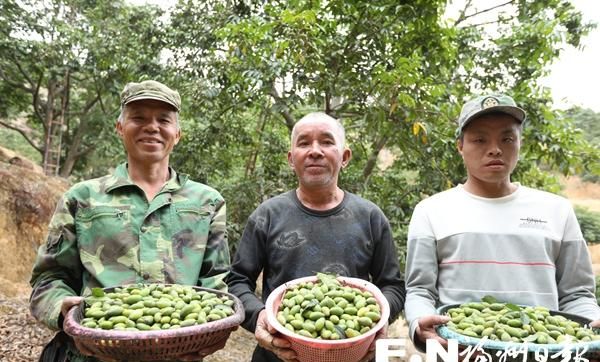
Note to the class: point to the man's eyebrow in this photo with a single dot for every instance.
(166, 114)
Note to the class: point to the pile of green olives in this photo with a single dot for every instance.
(153, 307)
(511, 323)
(328, 310)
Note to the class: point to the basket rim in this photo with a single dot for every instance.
(278, 293)
(445, 332)
(72, 327)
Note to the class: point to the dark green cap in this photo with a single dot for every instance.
(485, 104)
(150, 89)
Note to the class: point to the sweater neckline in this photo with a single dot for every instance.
(503, 199)
(319, 213)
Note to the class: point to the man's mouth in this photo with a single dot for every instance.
(149, 140)
(495, 163)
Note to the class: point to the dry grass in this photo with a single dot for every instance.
(586, 194)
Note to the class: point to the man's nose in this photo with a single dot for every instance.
(315, 149)
(151, 125)
(494, 150)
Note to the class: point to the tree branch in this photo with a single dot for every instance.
(85, 151)
(489, 22)
(23, 133)
(90, 104)
(23, 72)
(461, 16)
(36, 101)
(13, 83)
(289, 120)
(372, 160)
(465, 17)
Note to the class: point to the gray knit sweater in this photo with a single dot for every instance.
(286, 240)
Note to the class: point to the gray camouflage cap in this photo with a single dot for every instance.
(150, 89)
(485, 104)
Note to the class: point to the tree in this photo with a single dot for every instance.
(62, 65)
(395, 72)
(587, 121)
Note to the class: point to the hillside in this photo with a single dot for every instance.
(584, 194)
(27, 200)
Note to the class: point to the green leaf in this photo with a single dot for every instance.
(513, 307)
(489, 299)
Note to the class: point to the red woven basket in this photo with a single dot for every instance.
(151, 345)
(318, 350)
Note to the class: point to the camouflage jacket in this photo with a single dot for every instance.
(105, 233)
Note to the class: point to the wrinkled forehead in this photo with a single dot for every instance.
(321, 127)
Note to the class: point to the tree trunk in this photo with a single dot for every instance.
(372, 160)
(251, 162)
(73, 151)
(49, 117)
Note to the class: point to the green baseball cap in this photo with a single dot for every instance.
(485, 104)
(150, 89)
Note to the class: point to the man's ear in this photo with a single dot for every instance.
(459, 146)
(346, 157)
(289, 159)
(119, 128)
(177, 136)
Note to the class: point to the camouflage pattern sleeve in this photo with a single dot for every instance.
(57, 269)
(216, 263)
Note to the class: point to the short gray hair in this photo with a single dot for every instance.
(322, 116)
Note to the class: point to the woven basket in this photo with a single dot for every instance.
(151, 345)
(318, 350)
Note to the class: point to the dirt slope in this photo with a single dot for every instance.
(581, 193)
(27, 200)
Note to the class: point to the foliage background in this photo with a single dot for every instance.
(395, 72)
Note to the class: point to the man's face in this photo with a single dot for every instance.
(317, 154)
(149, 131)
(490, 147)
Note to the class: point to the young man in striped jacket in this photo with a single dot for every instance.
(492, 236)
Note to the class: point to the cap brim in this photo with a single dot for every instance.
(516, 112)
(146, 96)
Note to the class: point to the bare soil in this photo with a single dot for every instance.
(585, 194)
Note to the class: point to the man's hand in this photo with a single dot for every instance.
(595, 324)
(68, 303)
(267, 338)
(426, 328)
(382, 333)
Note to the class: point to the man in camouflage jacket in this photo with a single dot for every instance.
(143, 223)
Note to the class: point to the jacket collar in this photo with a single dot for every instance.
(120, 178)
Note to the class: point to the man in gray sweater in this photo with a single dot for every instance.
(317, 227)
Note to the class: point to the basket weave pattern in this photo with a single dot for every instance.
(151, 345)
(318, 350)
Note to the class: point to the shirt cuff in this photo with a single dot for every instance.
(54, 315)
